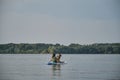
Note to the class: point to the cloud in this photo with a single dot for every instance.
(56, 22)
(77, 9)
(22, 27)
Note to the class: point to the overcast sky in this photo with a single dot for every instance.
(60, 21)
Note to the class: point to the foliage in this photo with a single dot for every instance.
(108, 48)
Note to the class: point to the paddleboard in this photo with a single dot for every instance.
(56, 63)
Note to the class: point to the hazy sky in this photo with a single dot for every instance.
(60, 21)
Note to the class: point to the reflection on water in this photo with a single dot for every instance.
(56, 70)
(79, 67)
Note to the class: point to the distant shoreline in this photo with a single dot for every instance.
(61, 53)
(73, 48)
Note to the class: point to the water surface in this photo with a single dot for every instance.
(78, 67)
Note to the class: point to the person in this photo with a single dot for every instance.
(54, 59)
(58, 57)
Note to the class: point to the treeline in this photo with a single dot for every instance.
(106, 48)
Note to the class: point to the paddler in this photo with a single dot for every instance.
(53, 58)
(58, 57)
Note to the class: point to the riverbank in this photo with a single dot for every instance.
(42, 48)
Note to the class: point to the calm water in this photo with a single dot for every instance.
(78, 67)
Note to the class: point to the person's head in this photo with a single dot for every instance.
(53, 55)
(59, 55)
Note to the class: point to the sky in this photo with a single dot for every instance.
(59, 21)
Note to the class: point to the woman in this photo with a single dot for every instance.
(54, 59)
(58, 57)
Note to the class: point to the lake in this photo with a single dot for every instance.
(77, 67)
